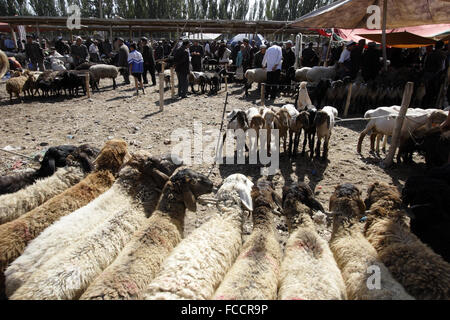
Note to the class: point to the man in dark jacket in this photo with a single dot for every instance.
(123, 60)
(309, 57)
(196, 54)
(181, 60)
(371, 64)
(35, 53)
(288, 56)
(259, 56)
(149, 61)
(79, 51)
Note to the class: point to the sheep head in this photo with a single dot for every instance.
(346, 201)
(283, 117)
(189, 185)
(382, 192)
(84, 155)
(113, 155)
(235, 190)
(300, 192)
(264, 195)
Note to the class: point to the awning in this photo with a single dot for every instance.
(401, 39)
(352, 14)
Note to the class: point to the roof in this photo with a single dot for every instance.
(401, 39)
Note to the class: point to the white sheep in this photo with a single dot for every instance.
(199, 263)
(318, 73)
(255, 274)
(303, 97)
(300, 74)
(308, 269)
(102, 71)
(257, 75)
(324, 121)
(57, 64)
(139, 261)
(16, 204)
(256, 121)
(69, 272)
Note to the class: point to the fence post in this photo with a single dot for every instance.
(349, 98)
(263, 103)
(226, 83)
(172, 82)
(161, 87)
(88, 90)
(407, 94)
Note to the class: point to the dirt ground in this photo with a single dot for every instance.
(34, 125)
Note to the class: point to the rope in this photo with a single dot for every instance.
(380, 117)
(18, 154)
(281, 85)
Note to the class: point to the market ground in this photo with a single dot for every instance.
(32, 124)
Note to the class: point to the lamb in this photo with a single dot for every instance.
(256, 121)
(423, 273)
(255, 274)
(303, 97)
(324, 122)
(300, 74)
(254, 75)
(237, 120)
(140, 260)
(198, 78)
(214, 80)
(318, 73)
(102, 71)
(137, 189)
(196, 267)
(15, 84)
(282, 123)
(308, 270)
(270, 118)
(16, 234)
(307, 121)
(16, 204)
(355, 256)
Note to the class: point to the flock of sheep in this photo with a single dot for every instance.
(106, 224)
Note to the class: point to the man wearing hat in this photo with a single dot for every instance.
(371, 64)
(309, 56)
(149, 61)
(79, 52)
(345, 60)
(259, 56)
(35, 53)
(123, 60)
(181, 60)
(272, 61)
(288, 56)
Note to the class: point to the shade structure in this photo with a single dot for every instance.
(401, 40)
(352, 14)
(258, 38)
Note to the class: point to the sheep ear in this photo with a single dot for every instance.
(362, 207)
(278, 201)
(188, 198)
(159, 177)
(246, 198)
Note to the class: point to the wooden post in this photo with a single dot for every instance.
(161, 87)
(131, 34)
(86, 82)
(172, 82)
(38, 31)
(263, 103)
(407, 94)
(329, 48)
(110, 34)
(383, 36)
(226, 83)
(13, 34)
(349, 98)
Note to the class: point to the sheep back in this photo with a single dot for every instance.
(101, 71)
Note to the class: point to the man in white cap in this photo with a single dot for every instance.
(288, 56)
(79, 52)
(259, 56)
(345, 59)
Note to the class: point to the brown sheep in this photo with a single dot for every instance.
(15, 84)
(423, 273)
(16, 234)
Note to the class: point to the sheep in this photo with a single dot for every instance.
(140, 260)
(15, 84)
(196, 267)
(256, 121)
(198, 78)
(318, 73)
(306, 121)
(427, 198)
(214, 80)
(255, 274)
(101, 71)
(282, 123)
(79, 164)
(303, 97)
(308, 269)
(355, 256)
(138, 186)
(324, 122)
(423, 273)
(270, 118)
(57, 65)
(254, 75)
(237, 120)
(300, 74)
(4, 64)
(16, 234)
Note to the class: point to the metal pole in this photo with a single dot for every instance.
(383, 38)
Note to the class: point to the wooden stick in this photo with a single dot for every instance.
(407, 94)
(349, 98)
(172, 82)
(20, 155)
(86, 82)
(263, 103)
(226, 83)
(383, 35)
(161, 87)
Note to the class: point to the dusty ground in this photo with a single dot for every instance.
(33, 124)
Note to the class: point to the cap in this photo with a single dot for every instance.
(144, 39)
(372, 44)
(289, 42)
(120, 39)
(263, 46)
(351, 43)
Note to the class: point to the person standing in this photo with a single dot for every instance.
(345, 60)
(272, 61)
(288, 56)
(309, 56)
(123, 60)
(259, 56)
(356, 58)
(196, 54)
(94, 52)
(136, 67)
(35, 53)
(181, 60)
(371, 64)
(149, 61)
(246, 55)
(79, 52)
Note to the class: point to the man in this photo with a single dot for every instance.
(259, 56)
(246, 55)
(288, 56)
(61, 46)
(207, 49)
(94, 52)
(79, 52)
(272, 61)
(35, 53)
(433, 67)
(149, 61)
(235, 51)
(345, 60)
(123, 60)
(356, 57)
(196, 56)
(371, 64)
(253, 50)
(181, 60)
(309, 56)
